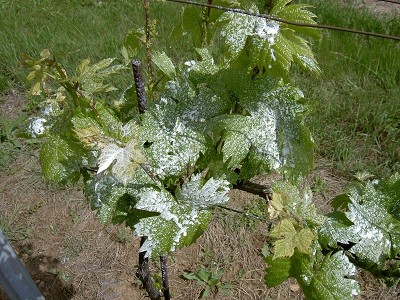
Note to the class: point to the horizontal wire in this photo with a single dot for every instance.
(269, 17)
(250, 215)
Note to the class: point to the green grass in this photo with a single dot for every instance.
(73, 30)
(356, 118)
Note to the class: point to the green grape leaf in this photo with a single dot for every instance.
(288, 47)
(212, 161)
(191, 22)
(127, 105)
(115, 201)
(176, 226)
(61, 160)
(373, 225)
(278, 270)
(296, 13)
(252, 133)
(273, 132)
(200, 195)
(131, 44)
(327, 278)
(332, 280)
(164, 63)
(199, 70)
(235, 150)
(271, 45)
(104, 191)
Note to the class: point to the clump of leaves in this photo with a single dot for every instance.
(211, 280)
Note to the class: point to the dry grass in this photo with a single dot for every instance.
(71, 256)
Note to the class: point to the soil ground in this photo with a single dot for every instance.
(71, 256)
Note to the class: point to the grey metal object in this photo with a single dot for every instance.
(14, 278)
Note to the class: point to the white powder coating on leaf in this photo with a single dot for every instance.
(37, 126)
(195, 194)
(48, 110)
(267, 31)
(355, 292)
(164, 203)
(188, 220)
(157, 201)
(108, 154)
(372, 241)
(126, 160)
(236, 31)
(309, 63)
(190, 65)
(102, 187)
(305, 278)
(177, 216)
(175, 144)
(265, 136)
(239, 27)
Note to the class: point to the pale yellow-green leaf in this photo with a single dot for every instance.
(284, 248)
(45, 54)
(83, 66)
(284, 228)
(304, 240)
(285, 232)
(91, 135)
(277, 204)
(164, 63)
(36, 89)
(123, 160)
(288, 239)
(32, 75)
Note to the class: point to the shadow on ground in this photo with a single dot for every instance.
(44, 270)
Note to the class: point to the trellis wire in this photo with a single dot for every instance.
(269, 17)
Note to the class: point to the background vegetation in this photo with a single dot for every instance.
(356, 116)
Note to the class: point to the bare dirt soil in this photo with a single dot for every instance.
(382, 8)
(71, 256)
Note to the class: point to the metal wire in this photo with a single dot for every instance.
(269, 17)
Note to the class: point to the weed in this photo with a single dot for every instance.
(74, 215)
(211, 280)
(319, 186)
(124, 236)
(63, 276)
(8, 141)
(257, 208)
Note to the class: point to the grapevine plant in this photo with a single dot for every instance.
(212, 124)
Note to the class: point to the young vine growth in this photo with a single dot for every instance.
(210, 124)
